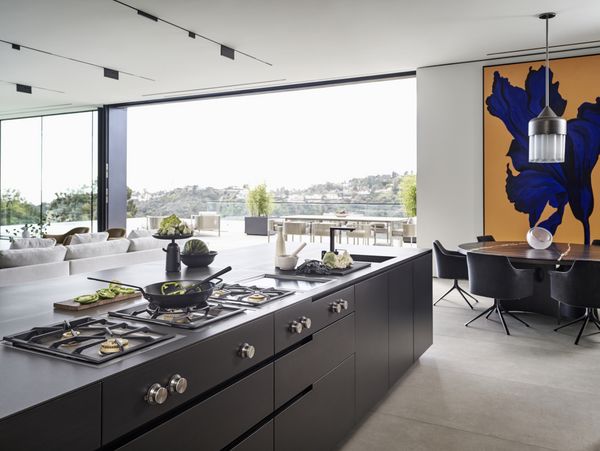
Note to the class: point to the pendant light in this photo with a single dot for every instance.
(547, 132)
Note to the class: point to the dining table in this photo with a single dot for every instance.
(557, 257)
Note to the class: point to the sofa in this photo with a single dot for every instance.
(22, 265)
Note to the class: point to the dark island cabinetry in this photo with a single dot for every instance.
(297, 376)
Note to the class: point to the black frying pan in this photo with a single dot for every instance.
(196, 293)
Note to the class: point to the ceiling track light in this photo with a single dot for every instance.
(23, 88)
(226, 51)
(547, 132)
(111, 73)
(147, 15)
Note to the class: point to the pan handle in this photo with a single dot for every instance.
(120, 283)
(217, 274)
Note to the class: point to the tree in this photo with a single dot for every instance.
(408, 194)
(259, 201)
(15, 209)
(131, 206)
(71, 205)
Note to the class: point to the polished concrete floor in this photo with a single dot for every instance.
(479, 389)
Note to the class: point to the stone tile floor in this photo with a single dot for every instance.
(479, 389)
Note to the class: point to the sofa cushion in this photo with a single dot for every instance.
(139, 233)
(29, 243)
(82, 238)
(13, 258)
(143, 244)
(85, 265)
(33, 273)
(87, 250)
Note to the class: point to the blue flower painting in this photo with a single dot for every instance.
(536, 185)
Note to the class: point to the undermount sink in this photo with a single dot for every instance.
(370, 258)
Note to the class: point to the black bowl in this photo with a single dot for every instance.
(198, 260)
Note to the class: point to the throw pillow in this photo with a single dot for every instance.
(29, 243)
(82, 238)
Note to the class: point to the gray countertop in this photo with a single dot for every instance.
(28, 379)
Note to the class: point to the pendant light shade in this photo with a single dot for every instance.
(547, 132)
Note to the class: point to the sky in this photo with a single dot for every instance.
(290, 139)
(41, 156)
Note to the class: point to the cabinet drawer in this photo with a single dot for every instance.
(71, 422)
(304, 365)
(319, 311)
(204, 365)
(217, 421)
(322, 417)
(260, 440)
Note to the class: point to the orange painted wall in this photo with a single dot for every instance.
(579, 80)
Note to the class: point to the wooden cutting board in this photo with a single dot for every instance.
(72, 305)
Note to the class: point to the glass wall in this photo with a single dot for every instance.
(48, 173)
(345, 148)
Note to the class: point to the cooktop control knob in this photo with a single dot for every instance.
(247, 351)
(335, 307)
(306, 322)
(178, 384)
(157, 394)
(296, 327)
(343, 303)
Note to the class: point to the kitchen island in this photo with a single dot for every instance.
(296, 373)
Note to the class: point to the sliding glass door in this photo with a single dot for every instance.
(48, 173)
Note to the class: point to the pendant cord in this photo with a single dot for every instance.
(547, 68)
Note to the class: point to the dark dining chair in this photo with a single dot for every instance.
(451, 265)
(485, 238)
(578, 287)
(596, 243)
(495, 277)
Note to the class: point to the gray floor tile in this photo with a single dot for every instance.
(381, 432)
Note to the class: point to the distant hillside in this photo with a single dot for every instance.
(316, 199)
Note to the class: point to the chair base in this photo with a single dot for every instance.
(462, 292)
(589, 315)
(497, 307)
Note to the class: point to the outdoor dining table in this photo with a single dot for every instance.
(556, 257)
(389, 221)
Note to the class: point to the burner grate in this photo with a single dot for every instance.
(82, 339)
(187, 318)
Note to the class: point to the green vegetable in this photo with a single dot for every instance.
(106, 293)
(172, 225)
(195, 247)
(87, 298)
(117, 289)
(169, 288)
(340, 261)
(330, 259)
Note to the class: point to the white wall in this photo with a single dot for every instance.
(450, 151)
(449, 154)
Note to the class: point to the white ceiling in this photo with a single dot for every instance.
(304, 40)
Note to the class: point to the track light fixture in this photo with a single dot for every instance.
(226, 51)
(23, 88)
(111, 73)
(16, 46)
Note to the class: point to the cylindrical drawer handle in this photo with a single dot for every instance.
(306, 322)
(247, 351)
(157, 394)
(178, 384)
(296, 327)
